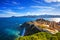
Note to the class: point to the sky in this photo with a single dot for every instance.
(10, 8)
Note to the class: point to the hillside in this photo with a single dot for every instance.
(40, 36)
(41, 25)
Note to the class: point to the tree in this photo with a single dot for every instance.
(54, 38)
(58, 35)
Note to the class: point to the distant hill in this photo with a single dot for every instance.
(33, 16)
(41, 16)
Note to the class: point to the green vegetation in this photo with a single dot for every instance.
(41, 36)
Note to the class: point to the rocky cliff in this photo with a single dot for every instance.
(41, 25)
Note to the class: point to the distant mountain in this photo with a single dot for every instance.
(41, 16)
(38, 16)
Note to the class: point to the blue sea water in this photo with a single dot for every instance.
(9, 27)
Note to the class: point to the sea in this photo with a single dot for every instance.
(9, 27)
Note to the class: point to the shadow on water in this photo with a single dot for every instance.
(8, 34)
(11, 34)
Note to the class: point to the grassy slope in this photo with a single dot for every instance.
(41, 36)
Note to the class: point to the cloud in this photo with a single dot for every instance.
(20, 7)
(36, 13)
(56, 5)
(42, 10)
(9, 13)
(32, 13)
(38, 2)
(13, 13)
(42, 7)
(13, 2)
(49, 1)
